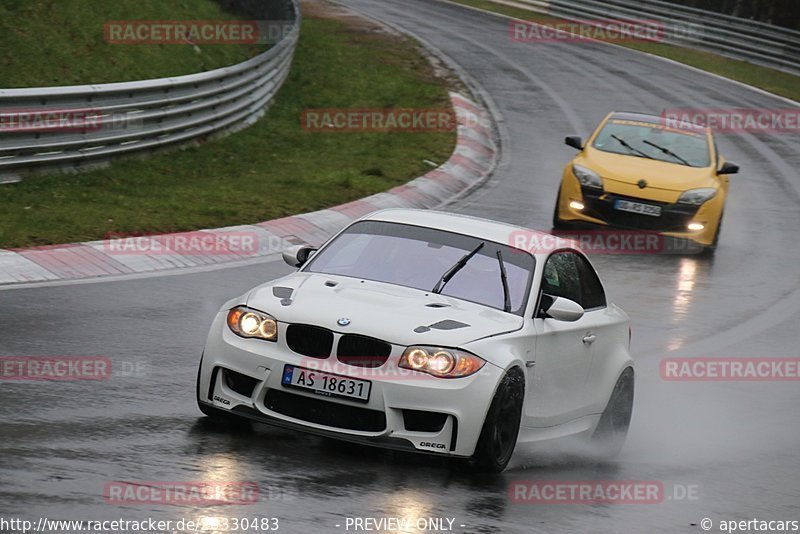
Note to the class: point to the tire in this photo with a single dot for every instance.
(558, 224)
(500, 429)
(609, 436)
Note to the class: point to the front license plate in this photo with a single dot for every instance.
(326, 383)
(637, 207)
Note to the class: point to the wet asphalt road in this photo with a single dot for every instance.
(735, 445)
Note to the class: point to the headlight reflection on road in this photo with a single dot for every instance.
(220, 468)
(208, 523)
(226, 483)
(683, 299)
(409, 506)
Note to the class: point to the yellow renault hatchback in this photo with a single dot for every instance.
(645, 172)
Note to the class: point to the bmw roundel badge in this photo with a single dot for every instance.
(344, 321)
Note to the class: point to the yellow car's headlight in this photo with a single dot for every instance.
(249, 323)
(587, 177)
(443, 363)
(696, 197)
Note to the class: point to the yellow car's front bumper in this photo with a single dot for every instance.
(598, 210)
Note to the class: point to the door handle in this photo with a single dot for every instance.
(589, 338)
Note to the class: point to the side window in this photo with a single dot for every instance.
(561, 278)
(592, 293)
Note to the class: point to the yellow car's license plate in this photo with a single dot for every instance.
(637, 207)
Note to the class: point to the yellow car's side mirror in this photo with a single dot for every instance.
(728, 168)
(574, 141)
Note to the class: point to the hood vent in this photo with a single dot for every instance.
(282, 292)
(449, 324)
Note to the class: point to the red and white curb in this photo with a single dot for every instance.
(468, 167)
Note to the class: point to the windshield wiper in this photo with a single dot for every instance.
(451, 272)
(627, 145)
(504, 279)
(666, 151)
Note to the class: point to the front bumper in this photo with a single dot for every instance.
(405, 411)
(674, 220)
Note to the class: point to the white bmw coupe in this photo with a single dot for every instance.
(429, 332)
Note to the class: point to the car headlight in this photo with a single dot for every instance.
(695, 197)
(443, 363)
(249, 323)
(587, 177)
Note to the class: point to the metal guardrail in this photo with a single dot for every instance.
(111, 120)
(738, 38)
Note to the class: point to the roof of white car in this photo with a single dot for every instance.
(532, 241)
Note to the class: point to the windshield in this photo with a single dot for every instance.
(655, 141)
(418, 257)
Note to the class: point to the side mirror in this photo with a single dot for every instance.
(574, 141)
(728, 168)
(562, 309)
(297, 255)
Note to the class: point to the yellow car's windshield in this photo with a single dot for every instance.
(654, 141)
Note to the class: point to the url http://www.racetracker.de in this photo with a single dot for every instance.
(142, 526)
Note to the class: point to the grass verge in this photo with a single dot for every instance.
(61, 42)
(774, 81)
(272, 169)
